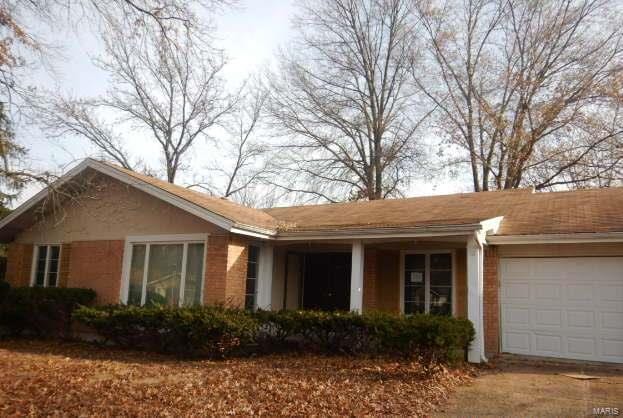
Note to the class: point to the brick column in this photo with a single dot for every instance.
(19, 264)
(491, 303)
(369, 280)
(226, 270)
(64, 267)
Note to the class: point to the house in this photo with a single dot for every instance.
(536, 273)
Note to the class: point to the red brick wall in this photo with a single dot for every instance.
(19, 264)
(226, 270)
(370, 266)
(97, 265)
(63, 276)
(491, 301)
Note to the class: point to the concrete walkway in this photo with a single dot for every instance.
(517, 386)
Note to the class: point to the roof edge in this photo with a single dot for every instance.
(385, 232)
(580, 237)
(183, 204)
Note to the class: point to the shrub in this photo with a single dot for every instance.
(218, 331)
(42, 311)
(203, 331)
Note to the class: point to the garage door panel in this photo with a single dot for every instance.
(581, 346)
(518, 342)
(580, 319)
(516, 291)
(612, 348)
(548, 292)
(611, 293)
(547, 344)
(563, 307)
(580, 293)
(612, 321)
(547, 318)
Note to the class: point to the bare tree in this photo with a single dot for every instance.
(528, 90)
(22, 49)
(242, 172)
(341, 100)
(168, 85)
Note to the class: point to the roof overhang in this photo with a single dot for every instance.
(390, 232)
(577, 238)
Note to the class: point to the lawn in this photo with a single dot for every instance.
(54, 378)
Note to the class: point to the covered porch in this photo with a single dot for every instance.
(439, 274)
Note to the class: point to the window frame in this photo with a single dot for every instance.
(427, 271)
(148, 240)
(35, 256)
(256, 278)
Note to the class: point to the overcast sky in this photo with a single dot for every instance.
(249, 33)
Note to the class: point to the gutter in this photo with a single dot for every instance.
(576, 238)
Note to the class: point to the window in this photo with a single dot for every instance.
(46, 265)
(428, 283)
(166, 273)
(250, 299)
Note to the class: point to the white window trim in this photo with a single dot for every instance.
(184, 239)
(403, 253)
(35, 256)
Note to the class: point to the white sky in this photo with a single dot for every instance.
(250, 34)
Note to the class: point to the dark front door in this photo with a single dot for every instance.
(326, 281)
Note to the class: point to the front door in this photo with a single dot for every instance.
(326, 281)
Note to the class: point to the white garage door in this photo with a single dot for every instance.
(563, 307)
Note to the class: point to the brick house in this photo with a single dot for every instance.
(537, 273)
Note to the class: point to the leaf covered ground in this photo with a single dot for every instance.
(71, 379)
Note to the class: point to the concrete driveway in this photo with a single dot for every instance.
(517, 386)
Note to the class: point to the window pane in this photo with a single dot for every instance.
(254, 253)
(441, 278)
(136, 274)
(53, 264)
(413, 308)
(42, 254)
(440, 261)
(414, 261)
(164, 274)
(252, 270)
(194, 277)
(441, 300)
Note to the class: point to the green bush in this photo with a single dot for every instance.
(218, 331)
(42, 311)
(193, 331)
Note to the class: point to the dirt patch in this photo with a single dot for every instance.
(51, 378)
(521, 387)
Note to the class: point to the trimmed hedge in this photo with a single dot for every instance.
(213, 331)
(41, 311)
(218, 331)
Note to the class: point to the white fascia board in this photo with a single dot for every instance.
(556, 238)
(371, 233)
(252, 231)
(492, 226)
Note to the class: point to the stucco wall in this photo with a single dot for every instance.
(112, 211)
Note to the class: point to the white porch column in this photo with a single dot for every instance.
(265, 277)
(475, 261)
(356, 277)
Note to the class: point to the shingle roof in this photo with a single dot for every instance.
(524, 212)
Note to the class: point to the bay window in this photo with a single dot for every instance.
(165, 272)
